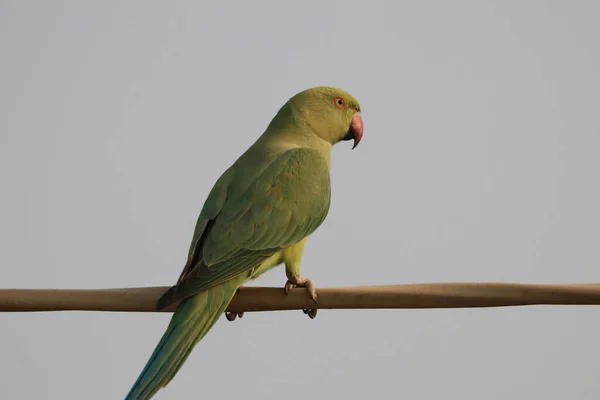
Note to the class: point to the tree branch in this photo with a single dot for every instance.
(434, 295)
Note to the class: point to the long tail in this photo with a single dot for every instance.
(191, 321)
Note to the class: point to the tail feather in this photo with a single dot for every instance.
(193, 318)
(205, 328)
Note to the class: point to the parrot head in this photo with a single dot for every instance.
(332, 113)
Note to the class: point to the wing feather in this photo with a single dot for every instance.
(285, 203)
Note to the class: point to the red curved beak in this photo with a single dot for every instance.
(356, 128)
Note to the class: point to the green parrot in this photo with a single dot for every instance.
(258, 215)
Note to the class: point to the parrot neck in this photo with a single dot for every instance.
(283, 141)
(289, 130)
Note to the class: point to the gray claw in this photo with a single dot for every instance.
(311, 312)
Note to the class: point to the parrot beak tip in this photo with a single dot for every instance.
(355, 131)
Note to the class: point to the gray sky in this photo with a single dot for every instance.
(479, 163)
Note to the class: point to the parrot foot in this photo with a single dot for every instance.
(311, 312)
(302, 281)
(231, 316)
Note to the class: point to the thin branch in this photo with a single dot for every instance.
(434, 295)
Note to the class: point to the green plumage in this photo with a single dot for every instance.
(257, 216)
(192, 320)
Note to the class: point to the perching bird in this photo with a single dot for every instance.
(258, 215)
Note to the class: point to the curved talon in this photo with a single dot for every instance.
(231, 316)
(302, 281)
(305, 282)
(289, 286)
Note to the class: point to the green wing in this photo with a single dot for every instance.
(285, 203)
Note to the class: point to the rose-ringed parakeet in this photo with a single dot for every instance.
(258, 215)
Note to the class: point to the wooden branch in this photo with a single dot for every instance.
(434, 295)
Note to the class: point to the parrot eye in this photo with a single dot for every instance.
(340, 102)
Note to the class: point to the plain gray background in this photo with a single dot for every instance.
(479, 163)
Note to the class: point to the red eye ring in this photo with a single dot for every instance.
(340, 102)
